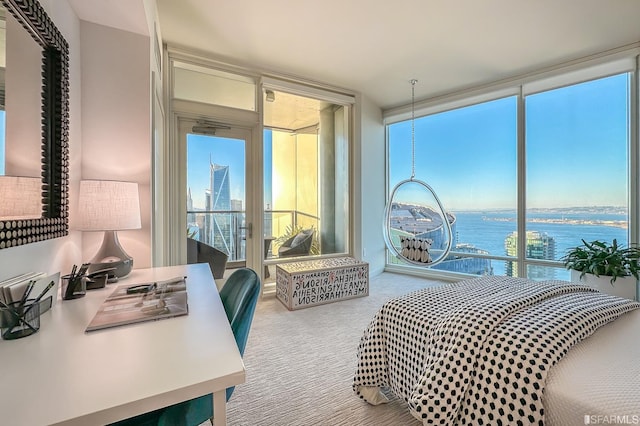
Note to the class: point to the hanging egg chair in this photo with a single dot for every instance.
(416, 228)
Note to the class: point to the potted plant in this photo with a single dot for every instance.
(611, 268)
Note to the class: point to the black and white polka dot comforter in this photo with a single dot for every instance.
(478, 352)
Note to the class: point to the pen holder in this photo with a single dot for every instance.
(73, 287)
(20, 319)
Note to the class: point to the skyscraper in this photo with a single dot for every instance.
(191, 216)
(467, 265)
(219, 199)
(193, 229)
(539, 246)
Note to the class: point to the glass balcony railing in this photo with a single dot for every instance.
(227, 230)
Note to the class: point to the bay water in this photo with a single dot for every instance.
(488, 230)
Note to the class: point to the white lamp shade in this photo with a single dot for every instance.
(108, 205)
(20, 197)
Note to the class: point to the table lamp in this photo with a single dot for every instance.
(20, 198)
(109, 206)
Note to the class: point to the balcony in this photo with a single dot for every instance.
(227, 230)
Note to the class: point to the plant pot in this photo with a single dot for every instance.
(622, 287)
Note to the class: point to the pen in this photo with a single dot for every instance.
(83, 269)
(171, 281)
(4, 305)
(146, 288)
(75, 280)
(37, 299)
(142, 288)
(26, 293)
(71, 285)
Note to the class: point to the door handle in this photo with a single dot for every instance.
(249, 229)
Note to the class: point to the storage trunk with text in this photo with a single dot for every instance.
(316, 282)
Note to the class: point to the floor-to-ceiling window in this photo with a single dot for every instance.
(306, 158)
(577, 169)
(548, 159)
(468, 155)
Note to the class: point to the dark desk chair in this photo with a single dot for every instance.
(199, 252)
(239, 296)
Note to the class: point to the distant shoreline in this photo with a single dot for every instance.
(563, 221)
(551, 210)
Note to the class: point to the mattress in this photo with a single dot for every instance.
(598, 380)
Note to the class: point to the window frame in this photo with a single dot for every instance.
(348, 102)
(567, 74)
(168, 193)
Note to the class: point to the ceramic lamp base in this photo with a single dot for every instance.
(111, 255)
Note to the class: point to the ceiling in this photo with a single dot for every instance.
(292, 113)
(376, 46)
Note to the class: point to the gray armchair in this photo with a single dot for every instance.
(199, 252)
(298, 245)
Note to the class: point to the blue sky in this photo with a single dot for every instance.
(201, 150)
(225, 152)
(576, 149)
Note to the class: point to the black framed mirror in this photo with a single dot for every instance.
(53, 222)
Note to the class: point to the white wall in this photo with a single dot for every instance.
(116, 124)
(60, 253)
(109, 137)
(370, 179)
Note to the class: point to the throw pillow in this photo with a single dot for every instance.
(299, 238)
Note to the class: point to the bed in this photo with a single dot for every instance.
(504, 350)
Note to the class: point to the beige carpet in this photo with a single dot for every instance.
(300, 364)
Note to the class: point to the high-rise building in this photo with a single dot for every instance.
(219, 185)
(539, 246)
(191, 216)
(207, 219)
(218, 198)
(236, 205)
(195, 221)
(466, 265)
(238, 222)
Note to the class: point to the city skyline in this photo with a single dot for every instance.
(226, 152)
(219, 230)
(203, 150)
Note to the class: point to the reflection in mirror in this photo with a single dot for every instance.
(20, 108)
(23, 101)
(3, 61)
(35, 144)
(20, 197)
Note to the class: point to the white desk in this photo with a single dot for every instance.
(62, 375)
